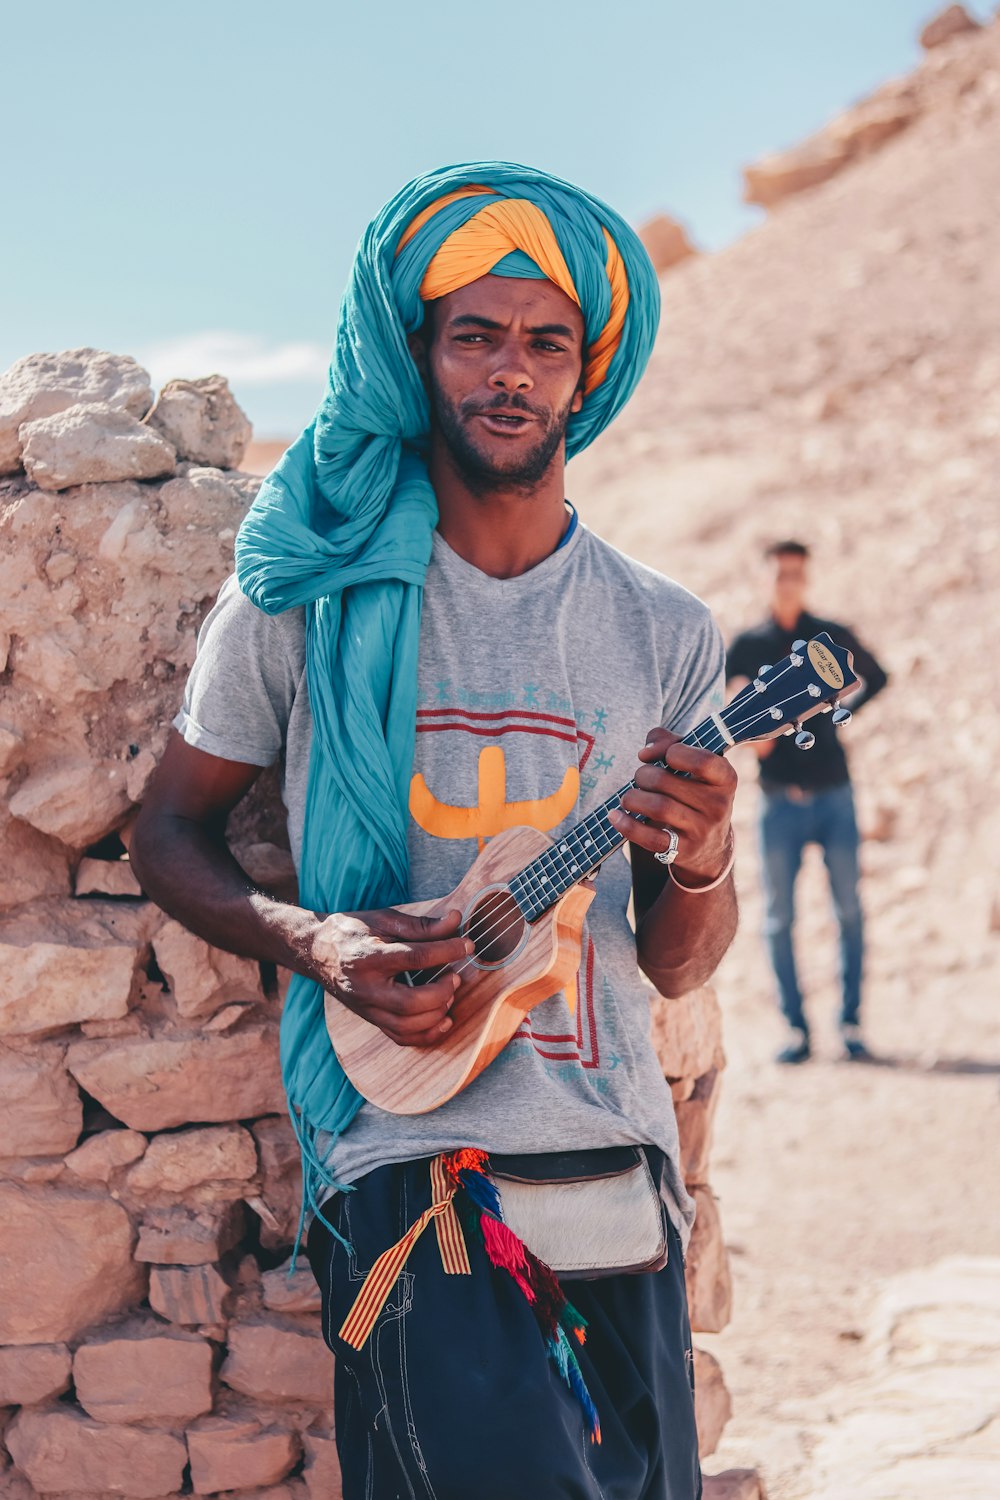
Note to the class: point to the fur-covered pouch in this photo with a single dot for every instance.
(585, 1213)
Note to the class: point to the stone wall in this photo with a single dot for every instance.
(151, 1342)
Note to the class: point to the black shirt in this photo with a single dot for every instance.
(825, 765)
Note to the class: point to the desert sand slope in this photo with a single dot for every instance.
(835, 375)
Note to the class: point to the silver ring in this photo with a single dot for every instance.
(668, 855)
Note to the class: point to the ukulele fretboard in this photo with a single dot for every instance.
(583, 850)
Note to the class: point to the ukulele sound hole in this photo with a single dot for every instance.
(496, 926)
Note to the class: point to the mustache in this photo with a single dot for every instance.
(506, 404)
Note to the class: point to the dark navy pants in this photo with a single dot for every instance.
(453, 1396)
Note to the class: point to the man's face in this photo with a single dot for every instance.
(787, 581)
(503, 372)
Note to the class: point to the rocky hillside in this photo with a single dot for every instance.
(835, 375)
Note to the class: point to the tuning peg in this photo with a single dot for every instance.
(804, 740)
(762, 669)
(842, 716)
(799, 645)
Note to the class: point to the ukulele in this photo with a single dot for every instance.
(525, 898)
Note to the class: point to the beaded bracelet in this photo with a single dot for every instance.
(701, 890)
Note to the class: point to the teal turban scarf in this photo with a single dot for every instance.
(343, 525)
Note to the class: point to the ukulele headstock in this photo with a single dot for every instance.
(809, 680)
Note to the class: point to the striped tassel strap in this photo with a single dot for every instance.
(482, 1216)
(385, 1272)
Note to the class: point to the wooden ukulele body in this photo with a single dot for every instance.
(496, 992)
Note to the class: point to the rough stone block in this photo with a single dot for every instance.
(32, 1168)
(77, 802)
(270, 867)
(41, 1112)
(33, 1373)
(103, 1154)
(13, 1485)
(709, 1286)
(226, 1018)
(161, 1377)
(189, 1294)
(174, 1236)
(93, 443)
(733, 1484)
(157, 1082)
(50, 1444)
(292, 1489)
(176, 1162)
(687, 1033)
(695, 1120)
(953, 21)
(666, 242)
(31, 865)
(281, 1179)
(42, 384)
(202, 420)
(232, 1453)
(106, 877)
(712, 1406)
(273, 1363)
(203, 978)
(783, 173)
(322, 1468)
(62, 964)
(291, 1294)
(79, 1250)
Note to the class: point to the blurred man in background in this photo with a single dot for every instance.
(806, 799)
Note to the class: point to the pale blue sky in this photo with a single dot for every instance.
(186, 182)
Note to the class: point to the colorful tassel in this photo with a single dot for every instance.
(507, 1253)
(556, 1317)
(470, 1217)
(574, 1323)
(578, 1386)
(481, 1190)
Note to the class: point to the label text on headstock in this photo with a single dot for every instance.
(825, 665)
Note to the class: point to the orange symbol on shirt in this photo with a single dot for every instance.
(492, 813)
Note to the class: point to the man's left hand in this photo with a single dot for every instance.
(698, 807)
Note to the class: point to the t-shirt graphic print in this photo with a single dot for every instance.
(494, 812)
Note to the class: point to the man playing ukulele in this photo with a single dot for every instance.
(438, 649)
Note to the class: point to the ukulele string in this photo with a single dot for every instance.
(498, 931)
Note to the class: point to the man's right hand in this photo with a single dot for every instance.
(358, 956)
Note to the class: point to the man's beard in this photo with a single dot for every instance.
(484, 473)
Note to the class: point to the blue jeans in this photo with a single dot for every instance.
(788, 822)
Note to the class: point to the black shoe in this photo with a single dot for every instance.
(854, 1048)
(797, 1049)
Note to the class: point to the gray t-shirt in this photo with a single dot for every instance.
(534, 696)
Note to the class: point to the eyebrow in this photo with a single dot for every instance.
(473, 320)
